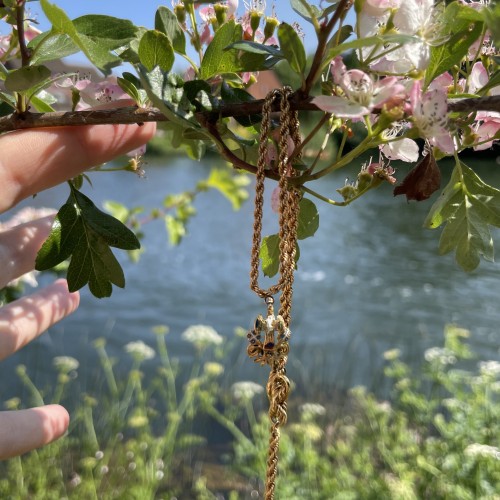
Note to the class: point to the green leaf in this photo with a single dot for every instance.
(107, 31)
(8, 99)
(129, 88)
(217, 60)
(95, 36)
(166, 22)
(84, 233)
(235, 95)
(270, 255)
(166, 92)
(155, 49)
(463, 33)
(257, 48)
(24, 79)
(468, 206)
(111, 230)
(308, 219)
(292, 47)
(230, 185)
(41, 105)
(492, 18)
(305, 9)
(51, 46)
(64, 236)
(176, 229)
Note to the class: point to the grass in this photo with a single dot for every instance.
(181, 435)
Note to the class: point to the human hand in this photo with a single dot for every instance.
(30, 162)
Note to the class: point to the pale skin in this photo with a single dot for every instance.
(31, 161)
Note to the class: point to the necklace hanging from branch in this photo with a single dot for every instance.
(269, 339)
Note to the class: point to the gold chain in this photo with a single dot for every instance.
(273, 349)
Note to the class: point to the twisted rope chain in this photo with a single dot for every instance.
(273, 350)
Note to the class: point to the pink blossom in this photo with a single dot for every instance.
(93, 94)
(4, 44)
(488, 125)
(478, 78)
(232, 7)
(430, 116)
(31, 32)
(207, 13)
(443, 82)
(361, 93)
(376, 8)
(206, 35)
(401, 149)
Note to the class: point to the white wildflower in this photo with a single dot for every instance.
(490, 368)
(140, 350)
(246, 390)
(440, 355)
(202, 335)
(477, 450)
(65, 364)
(312, 409)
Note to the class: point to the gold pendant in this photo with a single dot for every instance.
(268, 340)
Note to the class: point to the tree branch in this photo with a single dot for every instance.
(18, 121)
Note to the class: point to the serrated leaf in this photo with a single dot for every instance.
(292, 47)
(155, 49)
(463, 34)
(166, 22)
(217, 60)
(113, 232)
(468, 206)
(308, 219)
(24, 79)
(84, 233)
(64, 235)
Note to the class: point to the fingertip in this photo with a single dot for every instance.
(73, 297)
(57, 421)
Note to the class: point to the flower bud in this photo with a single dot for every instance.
(347, 192)
(270, 27)
(255, 20)
(364, 180)
(221, 13)
(180, 13)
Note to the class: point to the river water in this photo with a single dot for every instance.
(368, 281)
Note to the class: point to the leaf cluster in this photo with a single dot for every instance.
(85, 234)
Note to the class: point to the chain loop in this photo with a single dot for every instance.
(273, 348)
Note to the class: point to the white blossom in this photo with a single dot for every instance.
(140, 350)
(202, 335)
(246, 390)
(482, 450)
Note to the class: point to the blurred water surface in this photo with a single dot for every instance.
(368, 281)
